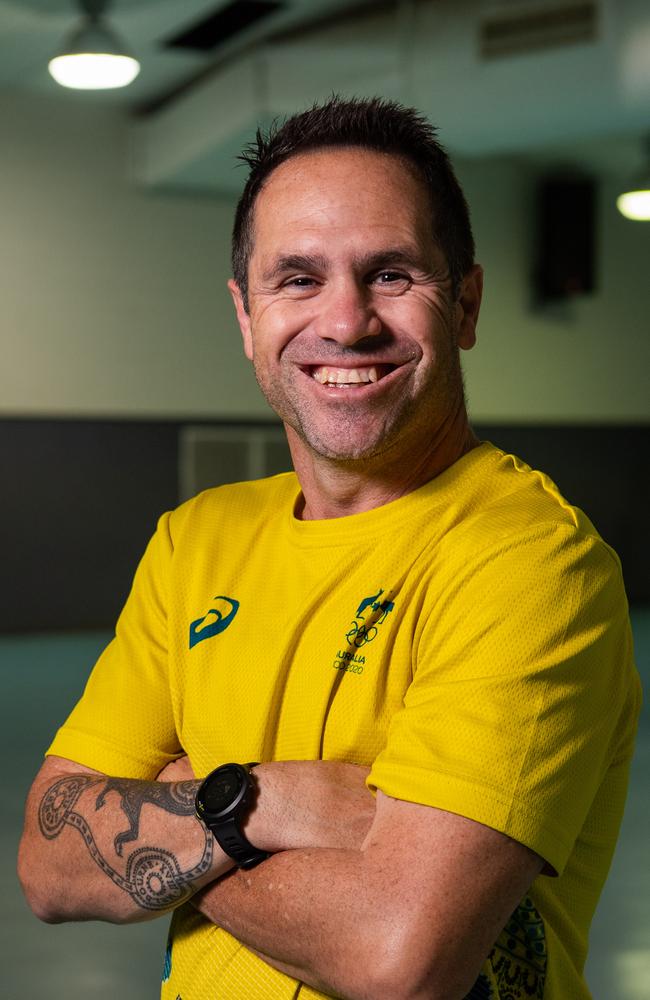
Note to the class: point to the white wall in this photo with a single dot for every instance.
(587, 361)
(114, 301)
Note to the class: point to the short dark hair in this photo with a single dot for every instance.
(370, 123)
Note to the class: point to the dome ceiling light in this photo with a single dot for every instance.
(634, 201)
(93, 57)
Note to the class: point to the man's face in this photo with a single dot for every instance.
(351, 326)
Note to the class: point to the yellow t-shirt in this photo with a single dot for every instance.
(470, 642)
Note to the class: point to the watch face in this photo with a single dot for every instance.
(223, 789)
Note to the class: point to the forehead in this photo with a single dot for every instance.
(334, 191)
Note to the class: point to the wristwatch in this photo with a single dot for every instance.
(222, 801)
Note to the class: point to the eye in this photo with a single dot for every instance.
(301, 281)
(393, 280)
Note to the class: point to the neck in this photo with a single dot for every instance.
(338, 488)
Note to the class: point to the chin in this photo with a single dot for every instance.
(339, 446)
(343, 454)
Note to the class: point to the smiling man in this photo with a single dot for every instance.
(426, 647)
(353, 327)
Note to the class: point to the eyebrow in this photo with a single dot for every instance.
(389, 256)
(295, 262)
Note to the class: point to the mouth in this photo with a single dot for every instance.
(348, 378)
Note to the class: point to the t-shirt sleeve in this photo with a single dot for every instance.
(521, 689)
(124, 723)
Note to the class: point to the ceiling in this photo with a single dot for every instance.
(522, 77)
(31, 31)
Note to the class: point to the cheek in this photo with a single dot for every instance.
(428, 324)
(274, 328)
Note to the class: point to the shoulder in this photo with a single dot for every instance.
(234, 506)
(516, 508)
(524, 560)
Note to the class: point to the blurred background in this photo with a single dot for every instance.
(123, 388)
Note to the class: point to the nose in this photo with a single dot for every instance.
(347, 314)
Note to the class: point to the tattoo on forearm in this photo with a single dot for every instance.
(153, 877)
(173, 797)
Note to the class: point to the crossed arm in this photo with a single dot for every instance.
(363, 898)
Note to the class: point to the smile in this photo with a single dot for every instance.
(345, 377)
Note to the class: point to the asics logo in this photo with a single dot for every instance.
(215, 621)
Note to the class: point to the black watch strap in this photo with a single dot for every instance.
(227, 830)
(235, 844)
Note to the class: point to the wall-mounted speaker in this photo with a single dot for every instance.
(565, 238)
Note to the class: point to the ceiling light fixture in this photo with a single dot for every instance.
(634, 202)
(93, 57)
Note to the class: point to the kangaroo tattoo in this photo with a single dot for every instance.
(174, 797)
(153, 877)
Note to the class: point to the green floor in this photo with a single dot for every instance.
(41, 677)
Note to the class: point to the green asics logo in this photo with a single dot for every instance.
(215, 621)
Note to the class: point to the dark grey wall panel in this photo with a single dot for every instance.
(79, 500)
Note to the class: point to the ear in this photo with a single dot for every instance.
(243, 318)
(468, 306)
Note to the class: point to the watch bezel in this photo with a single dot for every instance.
(224, 824)
(210, 816)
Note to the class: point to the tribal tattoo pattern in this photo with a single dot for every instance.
(153, 878)
(516, 966)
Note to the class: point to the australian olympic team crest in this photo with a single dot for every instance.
(364, 628)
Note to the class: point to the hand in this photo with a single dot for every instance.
(310, 803)
(177, 770)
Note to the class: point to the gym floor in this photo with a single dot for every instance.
(41, 678)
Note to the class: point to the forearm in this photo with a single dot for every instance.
(321, 916)
(122, 850)
(410, 913)
(310, 909)
(113, 849)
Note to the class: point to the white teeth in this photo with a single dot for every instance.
(345, 376)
